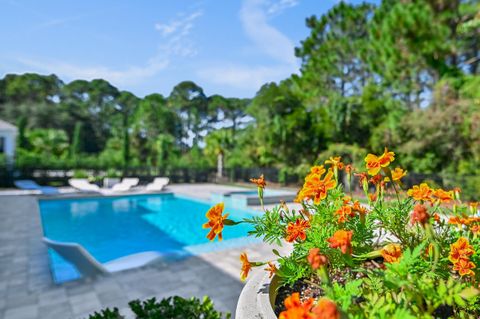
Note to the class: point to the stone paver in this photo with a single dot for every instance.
(24, 312)
(28, 292)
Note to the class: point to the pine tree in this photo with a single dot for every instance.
(77, 142)
(22, 127)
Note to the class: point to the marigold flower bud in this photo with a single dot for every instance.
(419, 215)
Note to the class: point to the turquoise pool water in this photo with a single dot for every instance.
(113, 227)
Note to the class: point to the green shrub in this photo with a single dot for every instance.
(168, 308)
(107, 314)
(80, 173)
(176, 308)
(113, 173)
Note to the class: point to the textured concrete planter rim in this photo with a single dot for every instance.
(257, 298)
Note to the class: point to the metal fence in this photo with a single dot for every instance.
(59, 177)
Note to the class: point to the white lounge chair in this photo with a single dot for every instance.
(158, 184)
(83, 184)
(126, 184)
(88, 266)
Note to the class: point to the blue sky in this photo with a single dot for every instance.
(228, 47)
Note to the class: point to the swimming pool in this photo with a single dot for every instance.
(113, 227)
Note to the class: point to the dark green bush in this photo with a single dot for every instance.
(107, 314)
(168, 308)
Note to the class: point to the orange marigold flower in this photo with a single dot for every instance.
(317, 170)
(326, 309)
(246, 266)
(381, 185)
(272, 269)
(259, 181)
(456, 220)
(376, 179)
(456, 192)
(346, 200)
(391, 253)
(443, 195)
(300, 196)
(348, 168)
(372, 163)
(475, 229)
(397, 174)
(422, 192)
(462, 220)
(297, 309)
(372, 197)
(297, 230)
(315, 259)
(316, 188)
(344, 213)
(436, 217)
(342, 239)
(420, 215)
(336, 162)
(215, 221)
(386, 158)
(362, 178)
(473, 219)
(461, 249)
(359, 208)
(464, 267)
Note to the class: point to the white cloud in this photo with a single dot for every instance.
(254, 16)
(130, 75)
(176, 34)
(278, 7)
(182, 25)
(267, 39)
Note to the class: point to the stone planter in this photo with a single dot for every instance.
(257, 298)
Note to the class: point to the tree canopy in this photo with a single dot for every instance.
(403, 74)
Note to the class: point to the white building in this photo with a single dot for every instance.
(8, 137)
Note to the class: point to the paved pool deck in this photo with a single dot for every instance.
(28, 292)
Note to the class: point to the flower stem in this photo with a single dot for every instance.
(323, 274)
(396, 191)
(260, 196)
(436, 249)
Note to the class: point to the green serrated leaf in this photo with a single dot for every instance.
(459, 301)
(442, 288)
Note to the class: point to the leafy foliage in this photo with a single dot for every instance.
(168, 308)
(175, 308)
(397, 73)
(106, 314)
(270, 226)
(404, 255)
